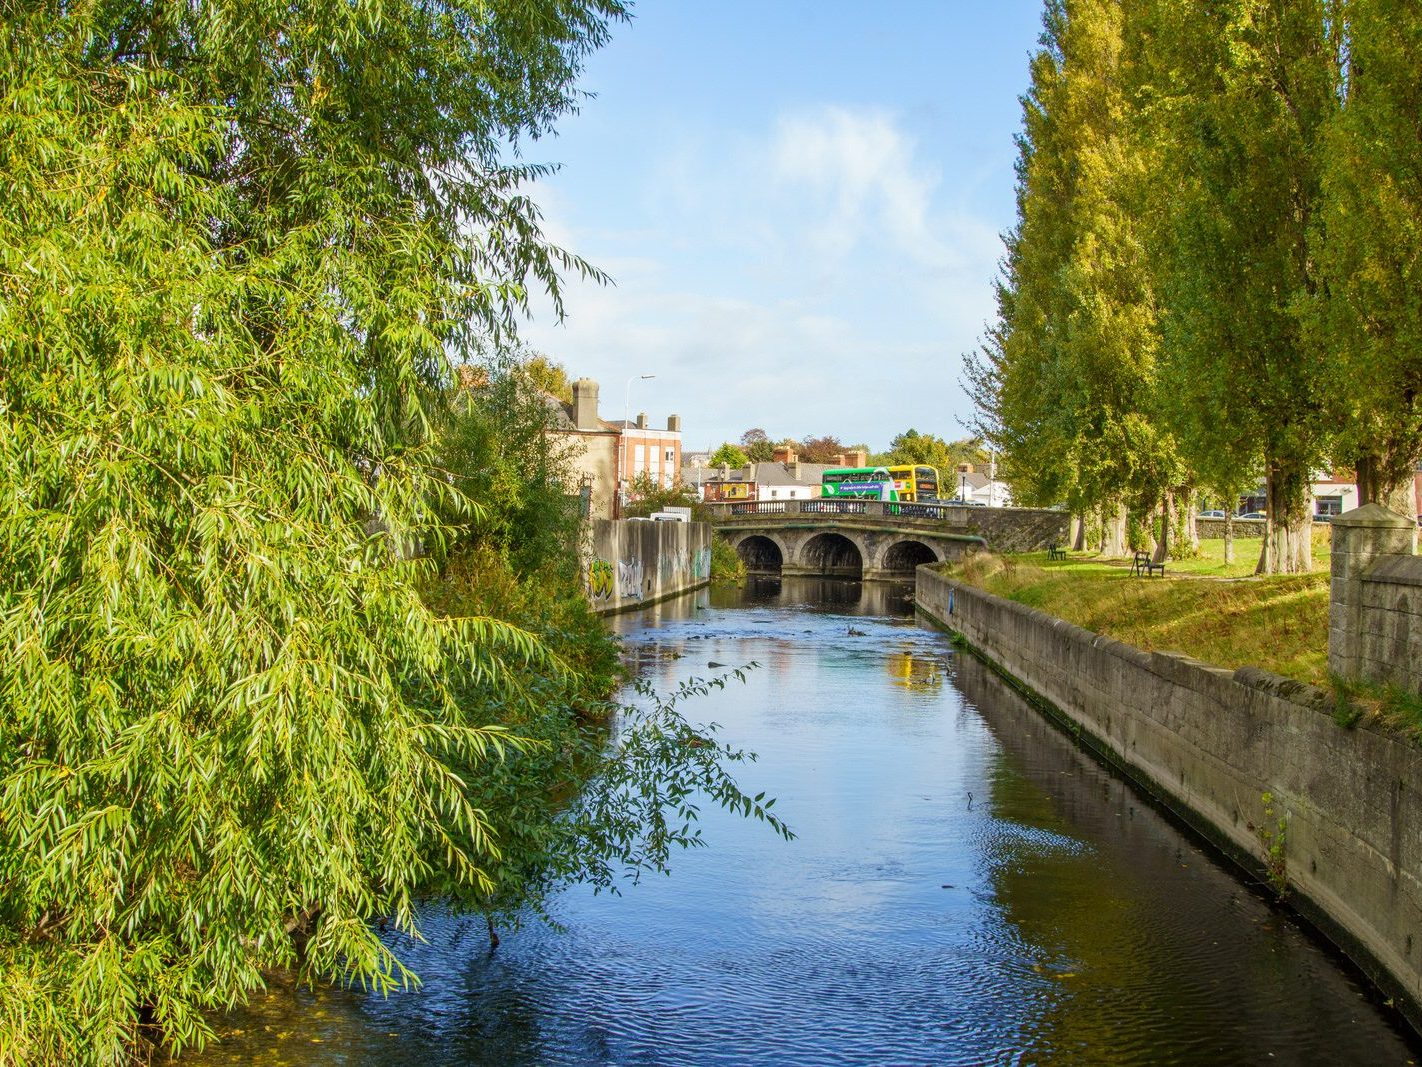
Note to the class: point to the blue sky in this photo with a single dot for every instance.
(800, 204)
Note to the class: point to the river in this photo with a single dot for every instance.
(966, 887)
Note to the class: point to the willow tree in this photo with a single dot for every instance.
(1364, 318)
(1068, 377)
(238, 242)
(1244, 89)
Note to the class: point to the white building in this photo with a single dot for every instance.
(965, 483)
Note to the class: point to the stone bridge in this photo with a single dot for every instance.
(873, 539)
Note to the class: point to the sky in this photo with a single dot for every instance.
(801, 205)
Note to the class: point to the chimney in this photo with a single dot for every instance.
(725, 472)
(794, 466)
(838, 460)
(857, 458)
(674, 423)
(784, 454)
(585, 404)
(965, 468)
(641, 420)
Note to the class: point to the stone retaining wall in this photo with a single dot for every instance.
(630, 563)
(1209, 744)
(1208, 528)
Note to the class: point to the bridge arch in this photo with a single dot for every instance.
(832, 554)
(904, 557)
(761, 553)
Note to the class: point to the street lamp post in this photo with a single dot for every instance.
(626, 408)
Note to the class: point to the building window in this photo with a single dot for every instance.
(1328, 505)
(671, 455)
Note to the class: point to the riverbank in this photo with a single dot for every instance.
(1254, 762)
(1204, 608)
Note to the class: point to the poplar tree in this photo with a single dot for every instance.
(239, 241)
(1364, 319)
(1067, 378)
(1245, 88)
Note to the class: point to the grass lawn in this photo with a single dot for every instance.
(1205, 608)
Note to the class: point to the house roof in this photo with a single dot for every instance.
(760, 473)
(563, 417)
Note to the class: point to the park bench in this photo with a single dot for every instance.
(1143, 566)
(1055, 551)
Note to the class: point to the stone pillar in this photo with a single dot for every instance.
(1360, 538)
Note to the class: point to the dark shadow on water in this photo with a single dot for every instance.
(836, 596)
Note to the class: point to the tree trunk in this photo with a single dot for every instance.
(1288, 536)
(1113, 541)
(1190, 527)
(1162, 547)
(1377, 485)
(1229, 536)
(1079, 541)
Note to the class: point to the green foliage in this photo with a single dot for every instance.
(646, 496)
(726, 563)
(1064, 379)
(1245, 92)
(1207, 283)
(239, 241)
(549, 377)
(495, 445)
(758, 447)
(1390, 704)
(1273, 835)
(730, 455)
(1363, 322)
(914, 447)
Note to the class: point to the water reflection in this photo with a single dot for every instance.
(967, 887)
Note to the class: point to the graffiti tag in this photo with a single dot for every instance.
(629, 579)
(600, 579)
(701, 563)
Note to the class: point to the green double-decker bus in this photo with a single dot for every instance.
(907, 483)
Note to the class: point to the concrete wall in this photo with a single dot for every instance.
(1375, 599)
(1209, 743)
(630, 563)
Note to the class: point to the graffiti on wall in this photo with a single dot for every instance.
(629, 579)
(600, 580)
(701, 563)
(632, 579)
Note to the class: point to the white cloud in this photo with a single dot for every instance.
(819, 277)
